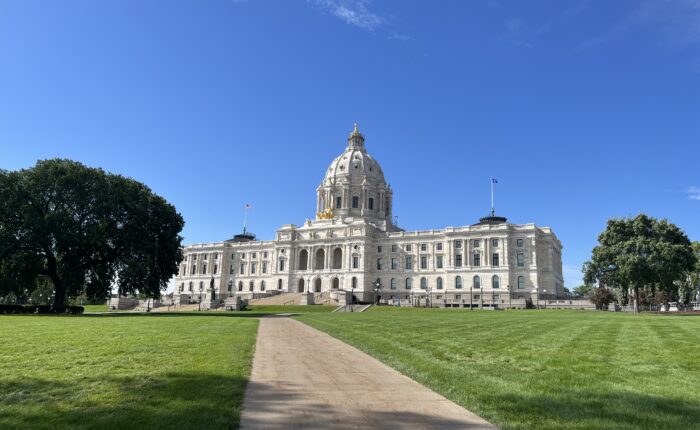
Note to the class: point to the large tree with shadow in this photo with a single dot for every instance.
(640, 252)
(86, 230)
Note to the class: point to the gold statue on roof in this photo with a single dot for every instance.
(326, 214)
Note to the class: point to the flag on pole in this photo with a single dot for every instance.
(494, 181)
(248, 206)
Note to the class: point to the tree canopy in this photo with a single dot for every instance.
(86, 230)
(640, 252)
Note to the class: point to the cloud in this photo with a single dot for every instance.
(693, 193)
(399, 37)
(353, 12)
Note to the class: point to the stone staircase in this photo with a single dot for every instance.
(279, 299)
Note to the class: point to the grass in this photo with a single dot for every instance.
(541, 369)
(300, 309)
(124, 371)
(96, 308)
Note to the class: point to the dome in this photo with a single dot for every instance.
(356, 166)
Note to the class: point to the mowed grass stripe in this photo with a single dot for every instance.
(541, 369)
(126, 371)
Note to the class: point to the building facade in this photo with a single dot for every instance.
(353, 245)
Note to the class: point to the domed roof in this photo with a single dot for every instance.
(354, 165)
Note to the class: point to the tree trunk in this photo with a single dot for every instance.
(636, 300)
(59, 298)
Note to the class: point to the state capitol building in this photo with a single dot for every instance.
(353, 249)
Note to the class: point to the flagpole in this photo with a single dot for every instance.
(245, 217)
(493, 212)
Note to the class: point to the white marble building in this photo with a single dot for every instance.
(353, 243)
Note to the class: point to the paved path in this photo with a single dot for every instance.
(305, 379)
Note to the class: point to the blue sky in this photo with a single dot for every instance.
(583, 110)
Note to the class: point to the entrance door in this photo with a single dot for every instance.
(301, 285)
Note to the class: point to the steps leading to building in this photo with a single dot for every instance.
(279, 299)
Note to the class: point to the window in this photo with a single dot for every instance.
(521, 282)
(303, 260)
(230, 286)
(216, 269)
(494, 243)
(409, 283)
(423, 261)
(253, 267)
(204, 269)
(520, 259)
(279, 284)
(282, 265)
(519, 243)
(379, 264)
(182, 288)
(394, 263)
(458, 260)
(233, 256)
(243, 255)
(477, 297)
(423, 247)
(264, 267)
(393, 284)
(494, 260)
(458, 282)
(265, 254)
(408, 247)
(216, 256)
(438, 246)
(354, 282)
(495, 282)
(242, 268)
(423, 283)
(458, 297)
(394, 248)
(205, 257)
(230, 270)
(379, 249)
(193, 269)
(370, 203)
(476, 243)
(355, 261)
(254, 255)
(201, 285)
(477, 260)
(240, 286)
(194, 257)
(338, 202)
(251, 285)
(438, 262)
(496, 297)
(439, 283)
(409, 262)
(477, 282)
(262, 285)
(191, 286)
(458, 244)
(355, 202)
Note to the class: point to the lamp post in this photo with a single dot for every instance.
(200, 298)
(544, 294)
(429, 297)
(510, 296)
(352, 297)
(470, 298)
(377, 290)
(413, 300)
(538, 296)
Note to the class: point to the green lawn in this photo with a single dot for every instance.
(124, 371)
(541, 369)
(301, 309)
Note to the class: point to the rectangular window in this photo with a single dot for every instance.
(408, 247)
(494, 243)
(477, 297)
(233, 256)
(457, 297)
(379, 249)
(254, 255)
(458, 244)
(519, 243)
(379, 264)
(409, 263)
(423, 261)
(338, 202)
(281, 265)
(394, 248)
(521, 259)
(230, 270)
(458, 260)
(496, 296)
(205, 257)
(216, 269)
(423, 247)
(242, 268)
(265, 254)
(355, 202)
(477, 260)
(253, 267)
(193, 269)
(438, 262)
(438, 246)
(476, 243)
(355, 262)
(216, 256)
(264, 267)
(494, 260)
(394, 263)
(194, 257)
(370, 203)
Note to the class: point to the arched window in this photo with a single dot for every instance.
(279, 284)
(477, 282)
(320, 260)
(335, 284)
(317, 285)
(521, 282)
(439, 283)
(423, 283)
(300, 286)
(393, 284)
(191, 285)
(303, 260)
(337, 258)
(409, 283)
(251, 285)
(240, 286)
(201, 285)
(354, 282)
(495, 282)
(230, 286)
(262, 285)
(458, 282)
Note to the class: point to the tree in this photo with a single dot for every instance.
(584, 290)
(86, 230)
(601, 297)
(633, 253)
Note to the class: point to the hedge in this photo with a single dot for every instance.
(37, 309)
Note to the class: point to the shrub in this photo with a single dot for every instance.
(528, 303)
(75, 310)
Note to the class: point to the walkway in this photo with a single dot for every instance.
(305, 379)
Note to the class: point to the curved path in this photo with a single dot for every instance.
(305, 379)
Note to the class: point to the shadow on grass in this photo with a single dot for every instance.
(170, 401)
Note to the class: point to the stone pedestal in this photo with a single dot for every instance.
(307, 299)
(344, 298)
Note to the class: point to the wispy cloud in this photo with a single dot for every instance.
(353, 12)
(399, 37)
(693, 193)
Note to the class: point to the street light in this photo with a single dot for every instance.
(352, 296)
(544, 293)
(538, 296)
(377, 290)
